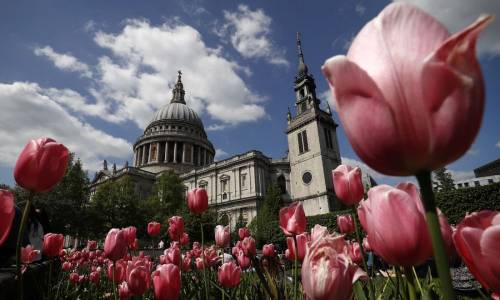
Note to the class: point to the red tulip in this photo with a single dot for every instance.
(268, 250)
(196, 251)
(229, 275)
(74, 278)
(184, 239)
(7, 213)
(345, 224)
(424, 92)
(175, 228)
(348, 185)
(130, 235)
(243, 260)
(120, 271)
(115, 245)
(28, 254)
(249, 247)
(186, 263)
(354, 252)
(197, 200)
(52, 244)
(395, 222)
(154, 228)
(91, 245)
(302, 244)
(477, 240)
(328, 274)
(243, 232)
(123, 291)
(94, 277)
(173, 255)
(41, 165)
(222, 236)
(236, 248)
(137, 279)
(200, 265)
(167, 282)
(293, 219)
(210, 256)
(135, 245)
(66, 266)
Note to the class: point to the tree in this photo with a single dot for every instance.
(443, 180)
(169, 192)
(65, 203)
(268, 213)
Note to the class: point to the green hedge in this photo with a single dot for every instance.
(455, 204)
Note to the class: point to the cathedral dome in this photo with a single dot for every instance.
(177, 111)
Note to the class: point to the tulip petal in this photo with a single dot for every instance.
(468, 245)
(357, 94)
(453, 92)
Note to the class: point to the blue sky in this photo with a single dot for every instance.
(91, 73)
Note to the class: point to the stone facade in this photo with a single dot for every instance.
(176, 139)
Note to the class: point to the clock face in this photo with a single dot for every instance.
(307, 177)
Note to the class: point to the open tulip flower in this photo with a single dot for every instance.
(477, 240)
(7, 213)
(292, 219)
(347, 184)
(197, 200)
(41, 165)
(229, 275)
(115, 244)
(167, 282)
(423, 90)
(222, 236)
(175, 228)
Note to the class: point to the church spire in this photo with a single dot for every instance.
(302, 70)
(178, 92)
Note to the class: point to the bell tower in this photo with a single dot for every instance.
(312, 145)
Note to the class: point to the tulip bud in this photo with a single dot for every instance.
(153, 228)
(175, 228)
(268, 250)
(249, 247)
(41, 165)
(292, 219)
(345, 224)
(222, 236)
(52, 244)
(130, 235)
(229, 275)
(243, 232)
(197, 200)
(347, 184)
(115, 244)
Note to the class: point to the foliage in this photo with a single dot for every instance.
(64, 204)
(443, 180)
(456, 203)
(192, 223)
(268, 212)
(168, 191)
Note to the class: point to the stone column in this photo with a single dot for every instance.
(158, 152)
(149, 155)
(183, 152)
(192, 153)
(175, 152)
(143, 154)
(199, 156)
(166, 152)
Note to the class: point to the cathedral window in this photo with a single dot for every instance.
(153, 152)
(303, 144)
(328, 138)
(243, 181)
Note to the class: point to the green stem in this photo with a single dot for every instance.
(296, 258)
(261, 277)
(411, 283)
(360, 242)
(204, 262)
(418, 281)
(20, 234)
(49, 286)
(440, 256)
(396, 270)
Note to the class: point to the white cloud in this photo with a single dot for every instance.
(360, 9)
(461, 175)
(89, 26)
(215, 127)
(139, 75)
(457, 14)
(498, 144)
(65, 62)
(364, 168)
(220, 154)
(30, 111)
(472, 151)
(327, 96)
(249, 31)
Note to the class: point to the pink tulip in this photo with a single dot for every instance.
(268, 250)
(124, 291)
(173, 255)
(184, 239)
(243, 232)
(52, 244)
(91, 245)
(424, 92)
(28, 254)
(94, 277)
(345, 224)
(477, 240)
(153, 228)
(348, 185)
(197, 200)
(120, 271)
(196, 251)
(354, 252)
(318, 232)
(138, 279)
(236, 248)
(222, 236)
(41, 165)
(186, 263)
(302, 244)
(293, 219)
(167, 282)
(229, 275)
(243, 260)
(366, 244)
(249, 247)
(115, 244)
(395, 222)
(74, 277)
(175, 228)
(210, 256)
(66, 266)
(130, 235)
(200, 265)
(328, 274)
(7, 213)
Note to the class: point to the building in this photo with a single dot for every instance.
(484, 175)
(490, 169)
(175, 139)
